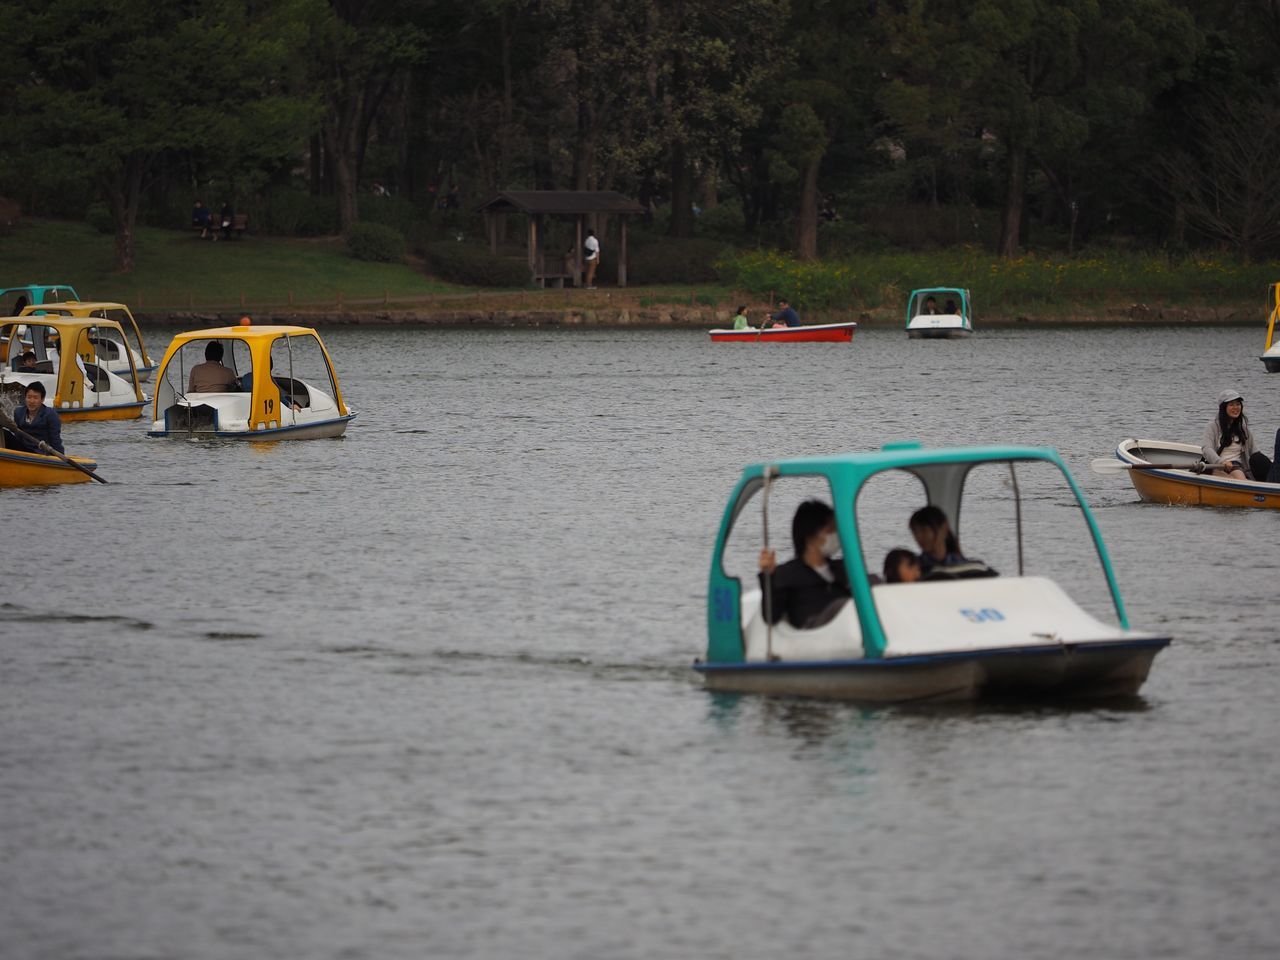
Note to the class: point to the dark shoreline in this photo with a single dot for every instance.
(694, 317)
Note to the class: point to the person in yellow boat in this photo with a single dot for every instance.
(1228, 445)
(40, 422)
(808, 588)
(27, 363)
(211, 376)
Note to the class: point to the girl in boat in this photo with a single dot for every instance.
(810, 588)
(940, 556)
(1228, 442)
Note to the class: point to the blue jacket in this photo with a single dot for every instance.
(787, 316)
(46, 425)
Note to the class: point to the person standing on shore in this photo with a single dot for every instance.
(592, 246)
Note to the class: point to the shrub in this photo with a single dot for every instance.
(671, 260)
(474, 265)
(99, 217)
(724, 221)
(375, 241)
(296, 213)
(389, 211)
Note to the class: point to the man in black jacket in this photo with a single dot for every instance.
(805, 589)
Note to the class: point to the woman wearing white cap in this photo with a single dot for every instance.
(1228, 441)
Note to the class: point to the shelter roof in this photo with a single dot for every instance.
(560, 202)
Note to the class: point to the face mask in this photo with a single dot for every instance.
(831, 545)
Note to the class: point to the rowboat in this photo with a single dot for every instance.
(1164, 472)
(814, 333)
(936, 313)
(81, 389)
(114, 352)
(958, 637)
(19, 468)
(1271, 352)
(284, 386)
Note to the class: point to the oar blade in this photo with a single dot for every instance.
(1108, 466)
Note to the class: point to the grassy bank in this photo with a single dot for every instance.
(177, 271)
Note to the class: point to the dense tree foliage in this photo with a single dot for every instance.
(1020, 122)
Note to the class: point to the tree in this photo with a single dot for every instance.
(363, 47)
(109, 92)
(1225, 179)
(1041, 75)
(826, 86)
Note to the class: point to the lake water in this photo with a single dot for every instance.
(425, 691)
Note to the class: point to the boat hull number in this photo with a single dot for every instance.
(722, 603)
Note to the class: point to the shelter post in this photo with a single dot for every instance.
(577, 253)
(622, 255)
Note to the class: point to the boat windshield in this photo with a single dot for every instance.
(944, 302)
(177, 374)
(1019, 518)
(299, 367)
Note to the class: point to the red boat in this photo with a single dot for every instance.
(818, 333)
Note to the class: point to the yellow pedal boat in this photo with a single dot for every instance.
(70, 362)
(21, 469)
(1163, 472)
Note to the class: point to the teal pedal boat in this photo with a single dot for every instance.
(1040, 616)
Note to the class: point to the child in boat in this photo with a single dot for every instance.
(901, 566)
(740, 321)
(809, 588)
(1228, 443)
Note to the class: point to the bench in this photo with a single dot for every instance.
(239, 226)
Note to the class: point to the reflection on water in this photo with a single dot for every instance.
(426, 691)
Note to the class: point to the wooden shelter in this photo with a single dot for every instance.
(555, 266)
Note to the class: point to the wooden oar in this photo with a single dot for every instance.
(1110, 465)
(6, 421)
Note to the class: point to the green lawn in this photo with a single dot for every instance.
(177, 269)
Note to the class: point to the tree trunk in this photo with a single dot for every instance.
(807, 223)
(317, 166)
(681, 193)
(123, 195)
(341, 151)
(1014, 198)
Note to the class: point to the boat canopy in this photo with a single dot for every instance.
(14, 299)
(941, 296)
(1014, 496)
(105, 310)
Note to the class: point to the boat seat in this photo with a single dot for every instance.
(840, 638)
